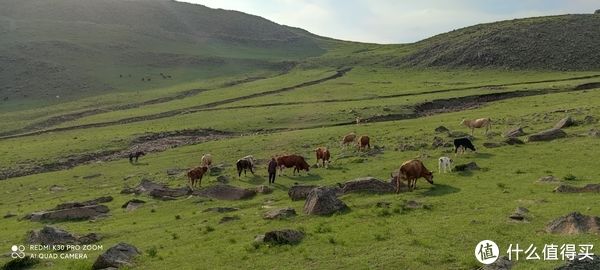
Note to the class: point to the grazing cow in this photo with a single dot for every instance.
(411, 171)
(364, 142)
(289, 161)
(477, 123)
(243, 165)
(324, 155)
(348, 139)
(195, 176)
(206, 160)
(462, 144)
(135, 155)
(445, 164)
(251, 159)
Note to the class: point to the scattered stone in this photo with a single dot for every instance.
(491, 145)
(133, 204)
(520, 214)
(263, 189)
(514, 132)
(550, 179)
(228, 219)
(592, 188)
(283, 237)
(77, 213)
(437, 142)
(221, 209)
(298, 192)
(368, 184)
(223, 179)
(413, 205)
(92, 176)
(147, 186)
(403, 147)
(383, 204)
(282, 213)
(547, 135)
(54, 236)
(471, 166)
(170, 193)
(513, 141)
(574, 223)
(73, 211)
(323, 201)
(225, 192)
(120, 255)
(586, 264)
(594, 133)
(56, 188)
(20, 263)
(441, 129)
(502, 263)
(564, 123)
(96, 201)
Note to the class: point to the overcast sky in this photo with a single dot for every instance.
(395, 21)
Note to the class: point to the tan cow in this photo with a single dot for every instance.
(410, 171)
(364, 142)
(324, 155)
(206, 161)
(348, 139)
(477, 123)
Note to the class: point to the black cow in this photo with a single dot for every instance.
(463, 143)
(244, 164)
(135, 155)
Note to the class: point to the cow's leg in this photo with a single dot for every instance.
(252, 171)
(239, 173)
(200, 181)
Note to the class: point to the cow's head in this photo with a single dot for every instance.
(429, 177)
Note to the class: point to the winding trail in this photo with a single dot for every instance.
(338, 74)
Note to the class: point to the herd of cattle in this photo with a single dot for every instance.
(409, 171)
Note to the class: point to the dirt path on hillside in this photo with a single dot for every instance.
(149, 143)
(56, 120)
(158, 142)
(338, 74)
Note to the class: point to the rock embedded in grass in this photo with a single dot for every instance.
(591, 188)
(367, 184)
(547, 135)
(300, 192)
(574, 223)
(133, 204)
(323, 201)
(586, 264)
(513, 141)
(117, 256)
(225, 192)
(565, 123)
(467, 167)
(50, 235)
(221, 209)
(282, 213)
(514, 132)
(282, 237)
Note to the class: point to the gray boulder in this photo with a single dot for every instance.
(117, 256)
(280, 213)
(77, 213)
(547, 135)
(564, 123)
(323, 201)
(299, 192)
(586, 264)
(283, 237)
(574, 223)
(514, 132)
(225, 192)
(368, 184)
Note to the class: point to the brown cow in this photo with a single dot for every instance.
(324, 155)
(478, 123)
(411, 171)
(348, 139)
(289, 161)
(364, 142)
(195, 176)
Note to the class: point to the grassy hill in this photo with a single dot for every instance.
(280, 90)
(566, 42)
(71, 49)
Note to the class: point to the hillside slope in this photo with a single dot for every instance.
(567, 42)
(74, 48)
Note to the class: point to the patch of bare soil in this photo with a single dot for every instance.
(155, 142)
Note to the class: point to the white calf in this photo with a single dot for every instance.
(444, 164)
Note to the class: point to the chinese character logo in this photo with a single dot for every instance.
(17, 251)
(487, 252)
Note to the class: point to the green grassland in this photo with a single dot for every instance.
(465, 208)
(276, 89)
